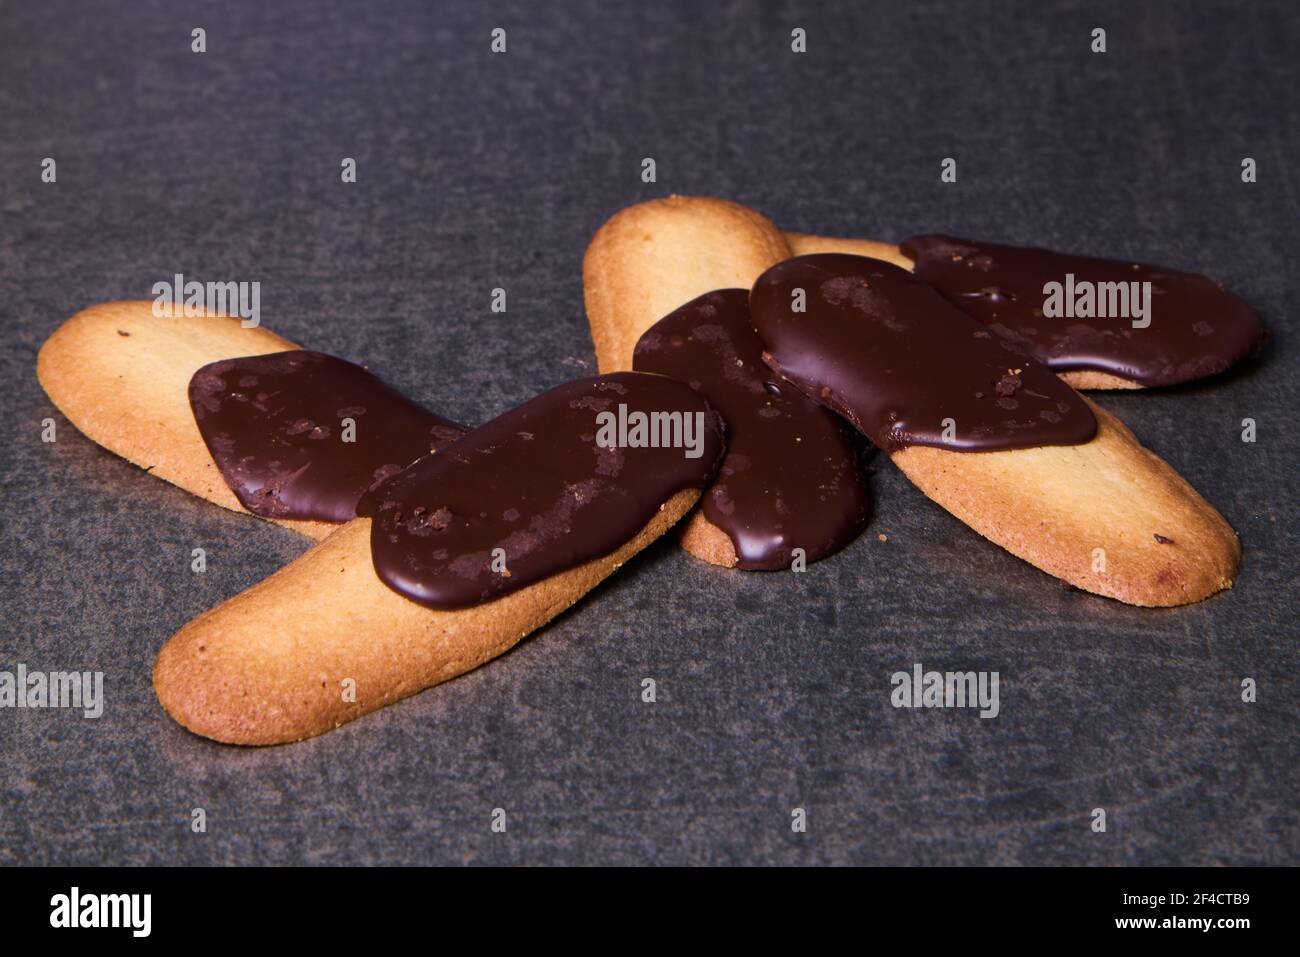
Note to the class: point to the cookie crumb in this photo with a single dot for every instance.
(883, 537)
(1009, 383)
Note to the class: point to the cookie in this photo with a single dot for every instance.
(323, 641)
(1109, 517)
(121, 375)
(991, 435)
(236, 415)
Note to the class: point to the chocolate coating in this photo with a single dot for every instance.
(273, 424)
(1197, 327)
(792, 476)
(895, 358)
(534, 483)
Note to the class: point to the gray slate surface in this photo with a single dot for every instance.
(478, 171)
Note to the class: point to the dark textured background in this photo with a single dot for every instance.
(477, 171)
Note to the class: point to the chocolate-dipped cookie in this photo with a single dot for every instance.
(988, 434)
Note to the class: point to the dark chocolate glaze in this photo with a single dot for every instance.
(273, 424)
(534, 483)
(1197, 327)
(895, 358)
(792, 476)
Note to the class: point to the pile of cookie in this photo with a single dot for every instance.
(442, 546)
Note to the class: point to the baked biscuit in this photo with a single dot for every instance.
(121, 375)
(992, 436)
(323, 640)
(1109, 516)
